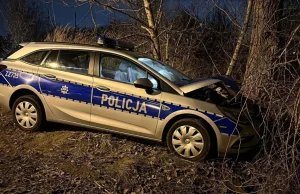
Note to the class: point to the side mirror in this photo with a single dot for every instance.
(144, 83)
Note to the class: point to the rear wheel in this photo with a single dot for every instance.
(189, 139)
(28, 113)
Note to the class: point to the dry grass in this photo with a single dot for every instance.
(67, 159)
(70, 35)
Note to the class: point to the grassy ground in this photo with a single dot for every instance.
(64, 159)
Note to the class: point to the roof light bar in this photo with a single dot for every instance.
(111, 43)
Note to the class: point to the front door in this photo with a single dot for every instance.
(118, 104)
(65, 83)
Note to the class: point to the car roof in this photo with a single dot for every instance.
(58, 44)
(29, 47)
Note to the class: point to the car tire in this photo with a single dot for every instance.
(189, 139)
(28, 114)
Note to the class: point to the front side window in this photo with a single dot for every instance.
(69, 60)
(120, 69)
(35, 58)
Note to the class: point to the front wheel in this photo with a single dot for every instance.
(189, 139)
(27, 113)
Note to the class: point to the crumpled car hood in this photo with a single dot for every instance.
(197, 84)
(203, 82)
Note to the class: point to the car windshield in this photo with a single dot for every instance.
(167, 71)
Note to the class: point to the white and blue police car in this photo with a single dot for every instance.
(126, 92)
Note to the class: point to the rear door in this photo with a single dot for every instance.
(118, 104)
(65, 82)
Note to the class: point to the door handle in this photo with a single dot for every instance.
(50, 76)
(102, 88)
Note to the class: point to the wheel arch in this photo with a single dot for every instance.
(24, 92)
(207, 122)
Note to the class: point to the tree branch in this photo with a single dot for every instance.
(120, 11)
(227, 14)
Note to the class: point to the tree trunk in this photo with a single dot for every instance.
(240, 39)
(152, 30)
(263, 48)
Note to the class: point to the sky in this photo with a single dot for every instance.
(64, 15)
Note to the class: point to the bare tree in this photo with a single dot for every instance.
(240, 39)
(152, 26)
(147, 14)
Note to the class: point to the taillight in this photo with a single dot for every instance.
(2, 67)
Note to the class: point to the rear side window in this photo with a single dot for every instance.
(35, 58)
(69, 60)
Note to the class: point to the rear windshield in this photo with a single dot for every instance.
(12, 51)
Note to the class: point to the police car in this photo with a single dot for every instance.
(122, 91)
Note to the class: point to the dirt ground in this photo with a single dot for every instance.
(64, 159)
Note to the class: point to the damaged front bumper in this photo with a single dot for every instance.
(245, 141)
